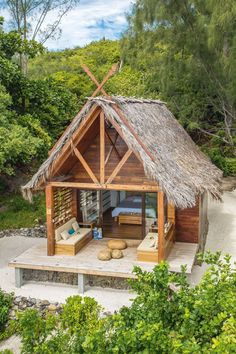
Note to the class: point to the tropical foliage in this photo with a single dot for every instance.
(167, 316)
(186, 50)
(32, 112)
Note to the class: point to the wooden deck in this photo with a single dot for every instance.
(86, 262)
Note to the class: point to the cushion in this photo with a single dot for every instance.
(117, 244)
(116, 254)
(66, 226)
(75, 226)
(149, 243)
(104, 255)
(72, 240)
(71, 231)
(65, 235)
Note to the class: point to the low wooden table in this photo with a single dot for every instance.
(133, 219)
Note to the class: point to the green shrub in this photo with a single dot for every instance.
(5, 305)
(186, 320)
(20, 213)
(231, 165)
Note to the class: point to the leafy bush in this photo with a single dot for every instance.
(5, 305)
(231, 166)
(200, 319)
(20, 213)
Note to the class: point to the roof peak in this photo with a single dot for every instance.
(124, 99)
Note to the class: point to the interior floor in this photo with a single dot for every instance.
(112, 229)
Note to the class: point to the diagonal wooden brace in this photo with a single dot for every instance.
(110, 73)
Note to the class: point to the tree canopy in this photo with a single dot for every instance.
(187, 52)
(32, 112)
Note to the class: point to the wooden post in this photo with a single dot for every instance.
(171, 217)
(161, 222)
(102, 148)
(143, 215)
(50, 226)
(100, 209)
(74, 206)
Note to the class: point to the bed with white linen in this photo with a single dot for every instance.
(133, 205)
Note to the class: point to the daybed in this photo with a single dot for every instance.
(74, 242)
(147, 251)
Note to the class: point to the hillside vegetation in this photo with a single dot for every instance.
(171, 52)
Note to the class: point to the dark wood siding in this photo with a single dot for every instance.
(187, 224)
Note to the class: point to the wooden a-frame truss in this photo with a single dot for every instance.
(87, 123)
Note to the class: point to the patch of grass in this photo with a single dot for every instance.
(15, 212)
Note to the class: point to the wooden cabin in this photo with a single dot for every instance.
(126, 167)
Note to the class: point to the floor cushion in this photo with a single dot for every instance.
(104, 255)
(117, 254)
(117, 244)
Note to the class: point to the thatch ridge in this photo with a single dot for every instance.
(179, 167)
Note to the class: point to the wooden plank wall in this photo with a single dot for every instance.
(187, 224)
(131, 173)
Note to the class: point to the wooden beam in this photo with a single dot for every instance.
(171, 217)
(161, 229)
(76, 138)
(143, 215)
(85, 165)
(112, 147)
(113, 143)
(50, 215)
(102, 148)
(120, 165)
(115, 187)
(110, 73)
(75, 203)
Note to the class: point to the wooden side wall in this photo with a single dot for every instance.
(187, 224)
(192, 223)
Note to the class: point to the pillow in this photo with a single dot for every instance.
(65, 235)
(71, 231)
(75, 226)
(152, 243)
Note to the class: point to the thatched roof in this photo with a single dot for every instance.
(179, 167)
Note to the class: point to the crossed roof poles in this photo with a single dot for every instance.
(111, 72)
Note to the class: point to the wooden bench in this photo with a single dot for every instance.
(74, 243)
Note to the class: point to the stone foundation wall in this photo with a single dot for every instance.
(37, 231)
(72, 279)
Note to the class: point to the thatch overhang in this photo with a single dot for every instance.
(179, 167)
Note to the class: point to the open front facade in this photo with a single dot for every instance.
(101, 183)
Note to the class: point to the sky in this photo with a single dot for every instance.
(91, 20)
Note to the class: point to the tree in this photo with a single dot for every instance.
(29, 17)
(187, 51)
(33, 113)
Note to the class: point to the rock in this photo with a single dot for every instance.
(116, 254)
(52, 308)
(17, 300)
(104, 255)
(44, 303)
(117, 244)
